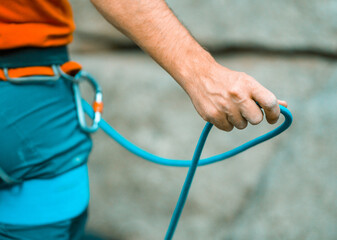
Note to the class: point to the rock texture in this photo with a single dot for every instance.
(217, 24)
(284, 189)
(297, 192)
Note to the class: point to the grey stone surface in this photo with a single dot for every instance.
(217, 24)
(296, 197)
(283, 189)
(92, 30)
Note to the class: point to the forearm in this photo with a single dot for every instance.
(153, 26)
(221, 96)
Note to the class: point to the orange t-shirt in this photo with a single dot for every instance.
(35, 23)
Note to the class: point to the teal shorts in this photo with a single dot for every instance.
(43, 147)
(39, 132)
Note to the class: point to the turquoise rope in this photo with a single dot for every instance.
(188, 182)
(195, 162)
(186, 163)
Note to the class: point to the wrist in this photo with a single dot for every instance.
(194, 65)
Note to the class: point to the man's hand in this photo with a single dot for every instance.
(223, 97)
(228, 98)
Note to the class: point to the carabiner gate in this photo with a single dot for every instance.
(97, 104)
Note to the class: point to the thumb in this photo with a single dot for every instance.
(283, 103)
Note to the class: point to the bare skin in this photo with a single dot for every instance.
(221, 96)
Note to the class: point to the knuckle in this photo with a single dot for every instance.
(250, 82)
(232, 122)
(273, 120)
(271, 104)
(237, 93)
(223, 104)
(237, 121)
(241, 125)
(257, 119)
(224, 125)
(211, 115)
(228, 127)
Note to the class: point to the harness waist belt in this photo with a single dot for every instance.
(33, 56)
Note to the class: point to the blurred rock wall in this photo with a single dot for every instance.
(219, 24)
(283, 189)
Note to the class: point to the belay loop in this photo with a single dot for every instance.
(97, 104)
